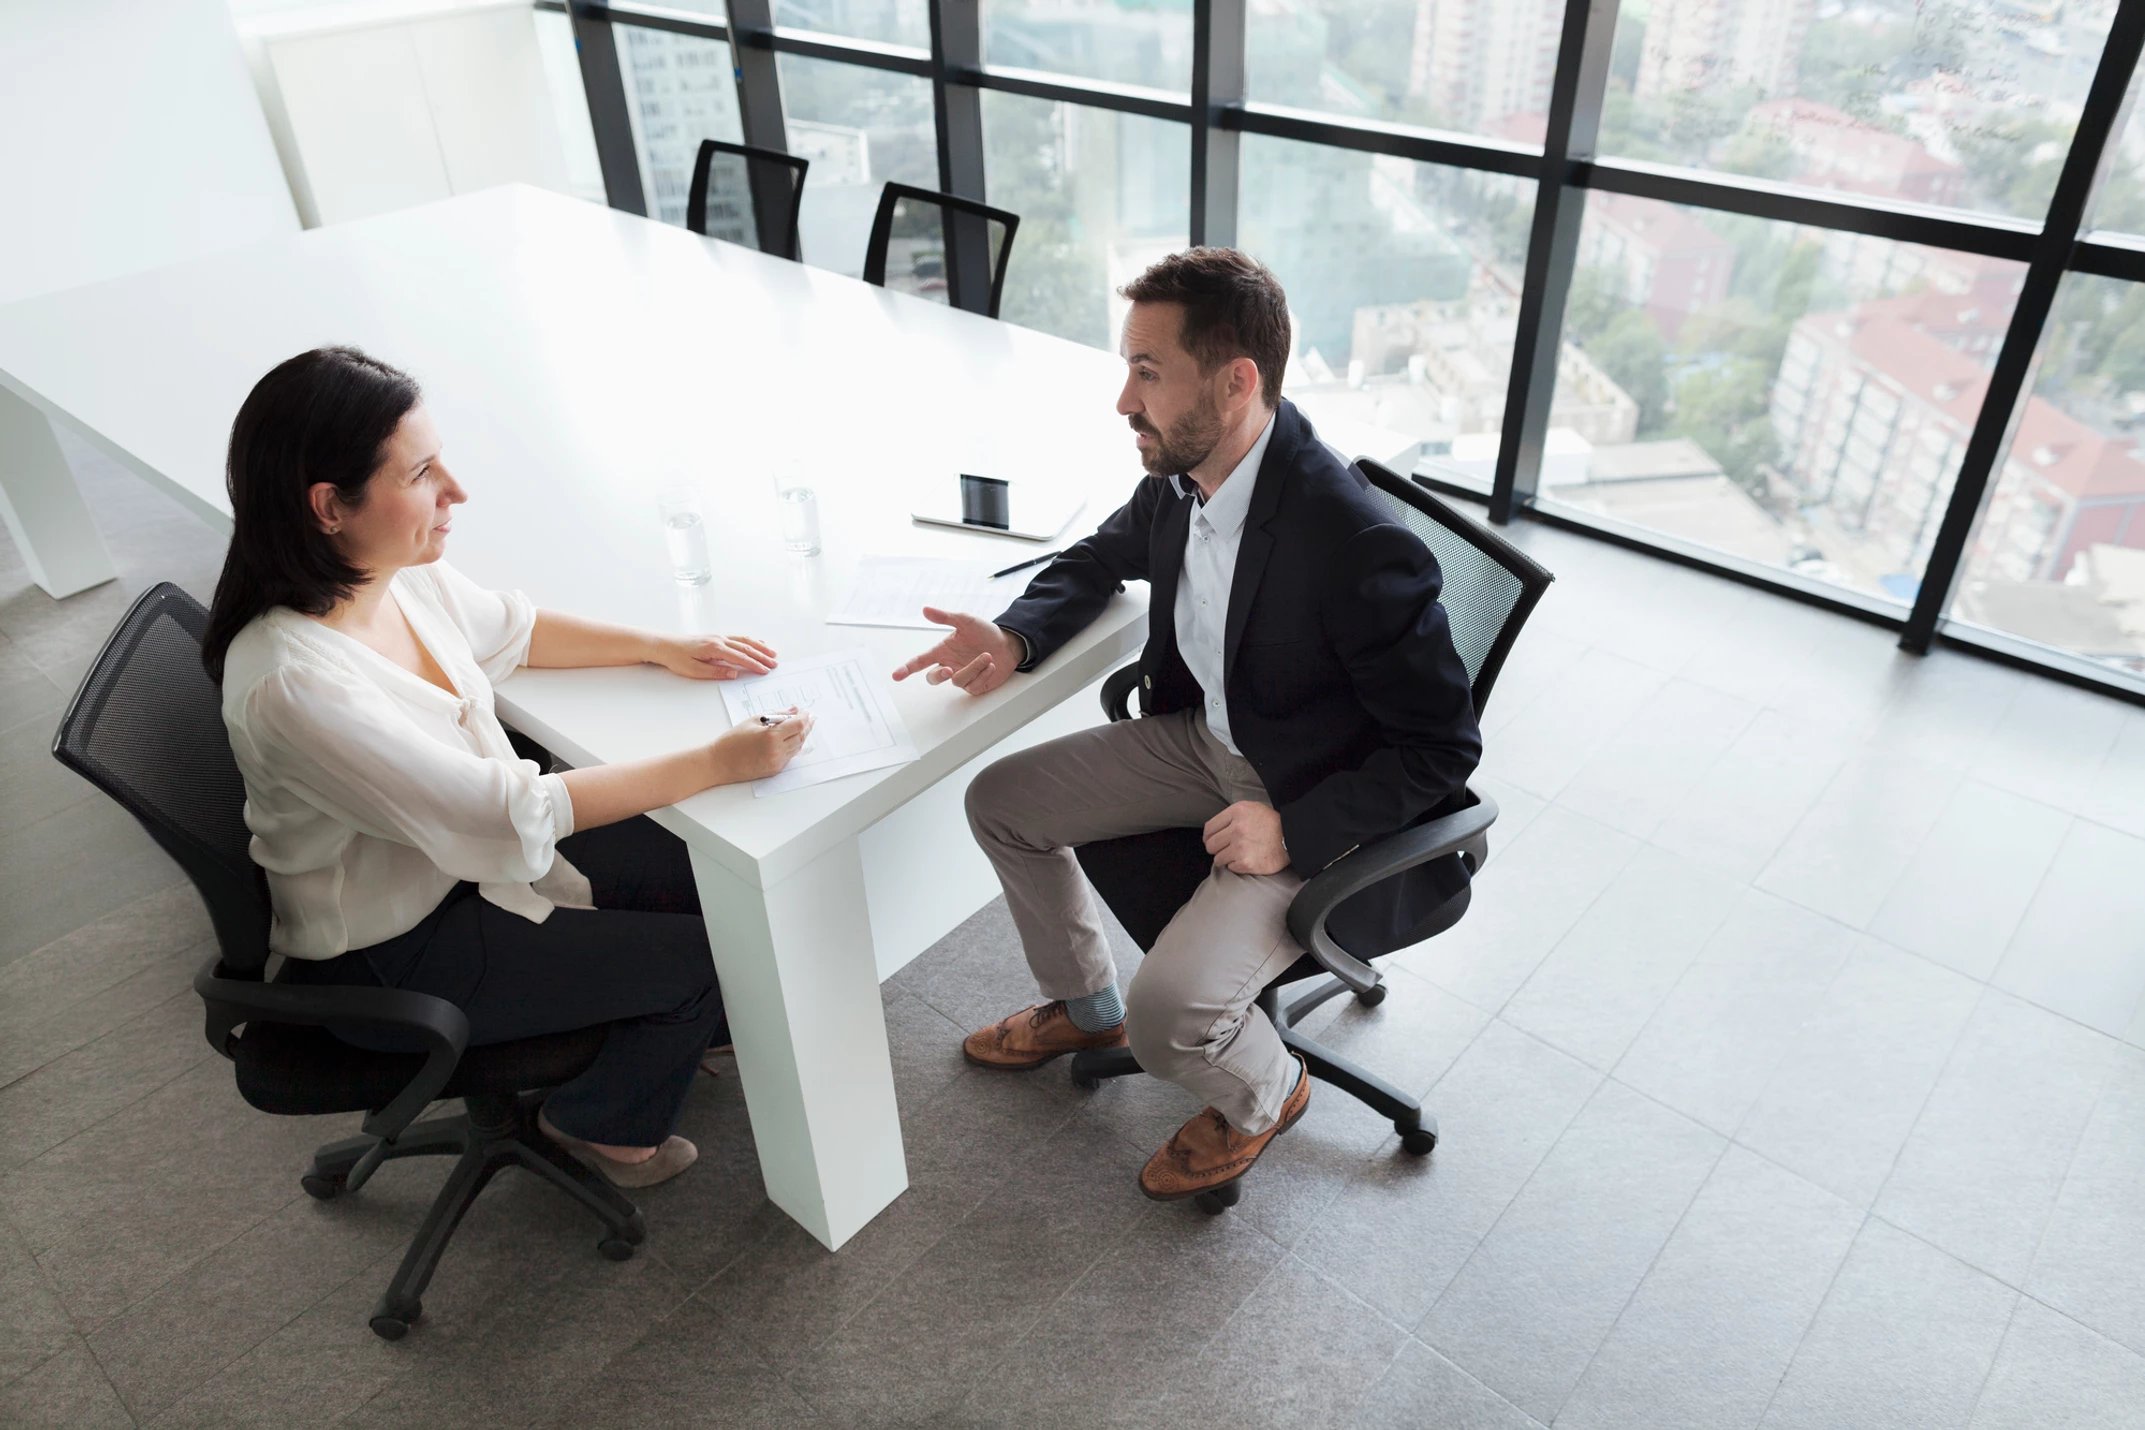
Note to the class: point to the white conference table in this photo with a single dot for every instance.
(577, 361)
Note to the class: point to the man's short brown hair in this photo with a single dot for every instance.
(1233, 307)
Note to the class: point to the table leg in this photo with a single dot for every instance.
(802, 993)
(43, 507)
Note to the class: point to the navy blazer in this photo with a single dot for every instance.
(1344, 690)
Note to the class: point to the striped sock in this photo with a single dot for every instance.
(1098, 1012)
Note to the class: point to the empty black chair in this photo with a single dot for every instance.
(940, 247)
(147, 728)
(747, 195)
(1491, 587)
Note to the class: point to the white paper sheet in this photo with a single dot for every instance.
(893, 591)
(855, 725)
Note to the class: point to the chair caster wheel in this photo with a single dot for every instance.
(321, 1186)
(1219, 1200)
(1085, 1082)
(616, 1248)
(1417, 1141)
(391, 1320)
(635, 1231)
(1372, 996)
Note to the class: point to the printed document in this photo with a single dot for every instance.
(855, 725)
(893, 591)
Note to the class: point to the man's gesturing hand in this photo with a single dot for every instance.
(1245, 838)
(977, 657)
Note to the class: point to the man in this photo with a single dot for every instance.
(1301, 697)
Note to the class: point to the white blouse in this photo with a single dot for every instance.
(370, 791)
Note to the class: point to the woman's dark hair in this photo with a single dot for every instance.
(1233, 307)
(322, 416)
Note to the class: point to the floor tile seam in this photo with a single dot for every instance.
(7, 1169)
(44, 1360)
(1623, 866)
(694, 1288)
(1988, 992)
(1632, 1295)
(1505, 1209)
(1486, 1388)
(2005, 1282)
(43, 719)
(1809, 1324)
(193, 947)
(1778, 1070)
(116, 1317)
(1988, 1372)
(1698, 777)
(1950, 1053)
(7, 1173)
(1963, 778)
(1358, 1173)
(896, 1273)
(2135, 1352)
(105, 1375)
(989, 1374)
(2070, 1166)
(225, 1365)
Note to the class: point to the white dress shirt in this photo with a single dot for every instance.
(370, 791)
(1210, 548)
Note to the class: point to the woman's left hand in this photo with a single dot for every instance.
(714, 657)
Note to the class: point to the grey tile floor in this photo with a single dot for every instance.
(1789, 1067)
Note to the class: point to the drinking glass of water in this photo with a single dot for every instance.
(685, 532)
(800, 515)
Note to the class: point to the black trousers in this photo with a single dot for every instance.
(639, 961)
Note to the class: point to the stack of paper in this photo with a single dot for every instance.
(855, 725)
(893, 591)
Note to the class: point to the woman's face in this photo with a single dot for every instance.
(404, 518)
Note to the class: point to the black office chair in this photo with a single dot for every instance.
(747, 195)
(146, 727)
(1491, 587)
(941, 247)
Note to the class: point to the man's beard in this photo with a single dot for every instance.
(1191, 439)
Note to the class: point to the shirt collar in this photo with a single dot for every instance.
(1231, 502)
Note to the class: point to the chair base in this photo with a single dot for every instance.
(496, 1131)
(1417, 1128)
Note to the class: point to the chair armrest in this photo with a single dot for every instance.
(1357, 870)
(1117, 690)
(443, 1028)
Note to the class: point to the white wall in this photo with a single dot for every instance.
(130, 137)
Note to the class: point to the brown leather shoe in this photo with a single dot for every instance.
(1207, 1152)
(1032, 1037)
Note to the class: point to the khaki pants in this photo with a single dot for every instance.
(1189, 1014)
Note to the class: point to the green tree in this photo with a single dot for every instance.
(1725, 409)
(1631, 352)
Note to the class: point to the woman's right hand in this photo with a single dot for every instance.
(753, 751)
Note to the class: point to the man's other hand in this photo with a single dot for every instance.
(977, 657)
(1245, 838)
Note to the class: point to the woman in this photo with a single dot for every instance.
(405, 844)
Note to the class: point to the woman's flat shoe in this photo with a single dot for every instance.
(673, 1157)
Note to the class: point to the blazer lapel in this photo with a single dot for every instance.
(1257, 543)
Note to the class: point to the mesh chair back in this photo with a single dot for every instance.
(146, 728)
(1491, 586)
(936, 246)
(747, 195)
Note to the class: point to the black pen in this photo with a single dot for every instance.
(1024, 565)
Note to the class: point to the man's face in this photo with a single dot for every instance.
(1170, 403)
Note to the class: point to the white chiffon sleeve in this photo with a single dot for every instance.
(342, 746)
(497, 624)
